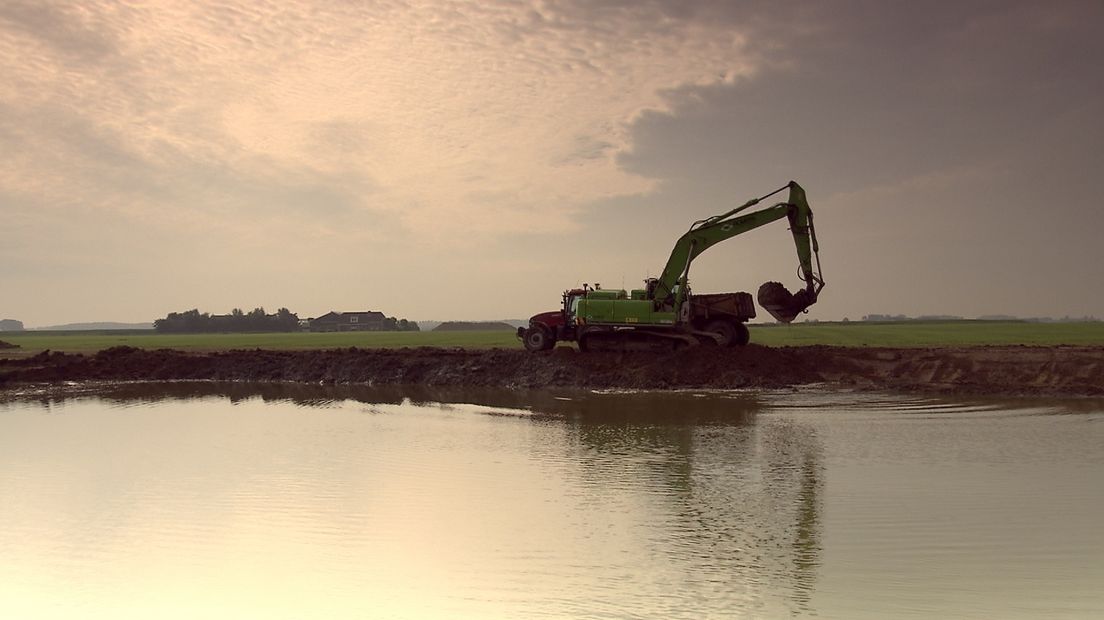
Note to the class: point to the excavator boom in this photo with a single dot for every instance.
(670, 287)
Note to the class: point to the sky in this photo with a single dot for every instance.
(447, 160)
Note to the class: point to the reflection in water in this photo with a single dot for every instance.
(718, 511)
(742, 496)
(283, 500)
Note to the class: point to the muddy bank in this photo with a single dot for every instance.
(1066, 371)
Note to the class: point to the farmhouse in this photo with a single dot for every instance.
(348, 321)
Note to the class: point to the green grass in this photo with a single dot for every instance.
(87, 342)
(924, 334)
(906, 334)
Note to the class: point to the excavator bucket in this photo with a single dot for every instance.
(784, 306)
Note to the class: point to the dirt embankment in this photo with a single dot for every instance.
(1071, 371)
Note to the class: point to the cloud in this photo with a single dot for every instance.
(948, 157)
(415, 143)
(63, 28)
(495, 116)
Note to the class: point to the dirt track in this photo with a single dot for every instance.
(1070, 371)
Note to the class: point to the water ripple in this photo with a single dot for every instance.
(302, 503)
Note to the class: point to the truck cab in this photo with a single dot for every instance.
(546, 328)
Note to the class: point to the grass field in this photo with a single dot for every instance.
(925, 334)
(907, 334)
(84, 342)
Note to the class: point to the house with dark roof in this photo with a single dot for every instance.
(348, 321)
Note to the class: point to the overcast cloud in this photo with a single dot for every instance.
(469, 160)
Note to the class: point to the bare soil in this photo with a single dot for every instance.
(1004, 370)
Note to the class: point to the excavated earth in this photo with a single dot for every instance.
(982, 370)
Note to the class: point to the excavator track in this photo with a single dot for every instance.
(621, 340)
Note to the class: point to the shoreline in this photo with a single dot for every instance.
(976, 370)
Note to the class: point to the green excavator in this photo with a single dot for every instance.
(665, 313)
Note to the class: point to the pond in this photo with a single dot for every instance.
(191, 500)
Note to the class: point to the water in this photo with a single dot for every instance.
(201, 501)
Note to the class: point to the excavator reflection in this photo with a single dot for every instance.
(745, 488)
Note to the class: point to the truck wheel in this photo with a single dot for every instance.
(742, 335)
(725, 329)
(537, 338)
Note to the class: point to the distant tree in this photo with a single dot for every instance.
(256, 320)
(189, 321)
(885, 317)
(286, 321)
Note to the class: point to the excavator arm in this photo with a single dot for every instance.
(670, 287)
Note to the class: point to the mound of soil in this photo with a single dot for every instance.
(8, 345)
(1067, 371)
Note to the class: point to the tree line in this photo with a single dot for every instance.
(256, 320)
(391, 324)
